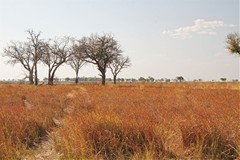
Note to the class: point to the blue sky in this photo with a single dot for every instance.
(163, 38)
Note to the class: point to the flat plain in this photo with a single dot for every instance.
(123, 121)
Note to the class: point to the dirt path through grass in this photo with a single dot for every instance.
(45, 149)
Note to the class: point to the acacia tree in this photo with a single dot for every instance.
(100, 51)
(56, 53)
(19, 52)
(36, 50)
(76, 61)
(223, 79)
(26, 53)
(117, 65)
(233, 40)
(180, 78)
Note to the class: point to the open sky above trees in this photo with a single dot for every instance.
(163, 39)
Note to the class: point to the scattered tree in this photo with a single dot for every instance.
(117, 65)
(27, 54)
(233, 43)
(67, 79)
(56, 53)
(100, 51)
(45, 79)
(141, 79)
(180, 78)
(151, 79)
(76, 61)
(167, 80)
(223, 79)
(19, 52)
(36, 50)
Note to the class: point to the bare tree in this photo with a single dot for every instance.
(26, 53)
(36, 50)
(56, 53)
(117, 65)
(233, 40)
(19, 52)
(100, 51)
(76, 60)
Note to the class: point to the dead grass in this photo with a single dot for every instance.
(125, 121)
(20, 128)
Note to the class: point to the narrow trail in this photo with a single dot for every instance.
(45, 149)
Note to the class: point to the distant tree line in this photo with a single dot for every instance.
(101, 50)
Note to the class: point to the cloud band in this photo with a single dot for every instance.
(200, 26)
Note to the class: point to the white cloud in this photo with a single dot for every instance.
(200, 26)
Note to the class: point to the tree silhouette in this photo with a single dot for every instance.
(117, 65)
(223, 79)
(36, 49)
(180, 78)
(76, 61)
(18, 52)
(28, 54)
(100, 51)
(56, 53)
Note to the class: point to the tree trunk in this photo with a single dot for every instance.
(115, 79)
(50, 81)
(103, 74)
(36, 75)
(31, 77)
(76, 80)
(103, 78)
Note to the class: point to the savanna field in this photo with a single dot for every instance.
(123, 121)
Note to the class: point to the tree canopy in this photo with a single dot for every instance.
(233, 43)
(100, 51)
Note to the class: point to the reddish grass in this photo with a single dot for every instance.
(154, 122)
(21, 128)
(125, 121)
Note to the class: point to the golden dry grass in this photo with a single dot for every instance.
(124, 121)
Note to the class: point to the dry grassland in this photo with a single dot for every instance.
(124, 121)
